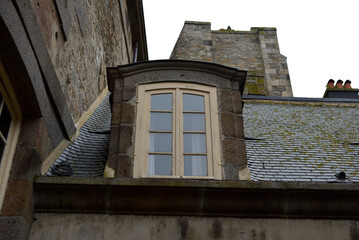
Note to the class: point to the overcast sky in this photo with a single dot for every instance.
(319, 38)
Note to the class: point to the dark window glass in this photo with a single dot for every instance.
(195, 165)
(5, 121)
(159, 165)
(161, 102)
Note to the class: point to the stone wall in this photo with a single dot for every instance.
(97, 226)
(82, 39)
(55, 54)
(256, 51)
(194, 43)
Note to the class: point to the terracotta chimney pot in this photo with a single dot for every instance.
(347, 84)
(339, 84)
(330, 83)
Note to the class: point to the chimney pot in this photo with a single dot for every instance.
(339, 84)
(330, 83)
(347, 84)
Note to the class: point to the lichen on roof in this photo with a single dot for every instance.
(301, 142)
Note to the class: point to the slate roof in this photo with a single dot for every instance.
(301, 141)
(288, 139)
(87, 156)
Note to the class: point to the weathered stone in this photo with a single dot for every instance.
(234, 150)
(125, 166)
(117, 94)
(127, 113)
(256, 51)
(15, 227)
(91, 41)
(225, 100)
(230, 172)
(116, 114)
(228, 125)
(238, 125)
(114, 140)
(237, 102)
(196, 43)
(126, 133)
(18, 199)
(128, 93)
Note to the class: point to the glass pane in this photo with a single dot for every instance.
(193, 122)
(160, 142)
(159, 165)
(5, 121)
(162, 102)
(195, 165)
(161, 121)
(193, 102)
(194, 143)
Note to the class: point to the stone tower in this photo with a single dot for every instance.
(256, 51)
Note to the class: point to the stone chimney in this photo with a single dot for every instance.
(340, 91)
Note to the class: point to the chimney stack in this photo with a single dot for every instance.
(340, 91)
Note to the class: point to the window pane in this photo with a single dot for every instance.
(195, 165)
(160, 142)
(161, 121)
(193, 102)
(162, 102)
(5, 121)
(159, 165)
(194, 143)
(193, 122)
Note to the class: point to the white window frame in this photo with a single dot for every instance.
(143, 125)
(9, 97)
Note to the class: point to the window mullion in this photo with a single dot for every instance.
(178, 134)
(209, 143)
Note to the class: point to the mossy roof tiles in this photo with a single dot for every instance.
(301, 142)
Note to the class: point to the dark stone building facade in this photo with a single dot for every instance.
(53, 57)
(256, 51)
(79, 162)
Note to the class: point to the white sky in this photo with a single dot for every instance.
(319, 38)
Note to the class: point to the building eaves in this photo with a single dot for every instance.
(301, 99)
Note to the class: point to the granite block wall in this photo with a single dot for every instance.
(256, 51)
(82, 38)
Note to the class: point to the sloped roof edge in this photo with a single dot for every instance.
(301, 99)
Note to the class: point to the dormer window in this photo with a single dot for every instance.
(177, 131)
(176, 119)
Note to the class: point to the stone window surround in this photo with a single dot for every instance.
(10, 100)
(212, 133)
(123, 82)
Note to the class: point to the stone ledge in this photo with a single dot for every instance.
(197, 197)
